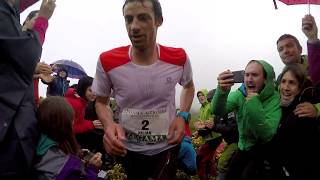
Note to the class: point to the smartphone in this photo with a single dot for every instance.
(238, 76)
(87, 155)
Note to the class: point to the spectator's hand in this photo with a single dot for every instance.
(43, 68)
(199, 124)
(209, 124)
(195, 134)
(250, 94)
(309, 27)
(46, 9)
(113, 139)
(96, 160)
(225, 80)
(97, 124)
(176, 131)
(305, 109)
(36, 76)
(46, 78)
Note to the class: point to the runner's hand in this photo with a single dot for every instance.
(225, 80)
(309, 27)
(113, 139)
(176, 131)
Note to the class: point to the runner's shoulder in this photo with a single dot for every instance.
(115, 57)
(172, 55)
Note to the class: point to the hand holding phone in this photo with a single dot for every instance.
(87, 155)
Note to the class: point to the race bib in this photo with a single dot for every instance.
(145, 126)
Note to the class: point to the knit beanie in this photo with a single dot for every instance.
(83, 85)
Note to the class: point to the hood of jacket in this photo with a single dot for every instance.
(205, 93)
(45, 143)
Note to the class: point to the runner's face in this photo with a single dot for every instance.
(289, 51)
(141, 24)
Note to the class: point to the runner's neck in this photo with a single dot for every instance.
(145, 57)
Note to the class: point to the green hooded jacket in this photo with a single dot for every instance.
(205, 109)
(257, 118)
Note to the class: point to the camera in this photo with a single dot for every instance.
(238, 76)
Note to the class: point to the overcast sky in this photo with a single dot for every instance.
(216, 34)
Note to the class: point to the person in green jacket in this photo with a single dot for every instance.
(257, 105)
(205, 154)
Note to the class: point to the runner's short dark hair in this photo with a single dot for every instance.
(155, 3)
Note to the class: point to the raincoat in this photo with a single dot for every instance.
(205, 111)
(257, 118)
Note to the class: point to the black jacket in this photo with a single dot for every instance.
(19, 53)
(298, 142)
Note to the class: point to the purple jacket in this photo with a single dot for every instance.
(54, 164)
(314, 62)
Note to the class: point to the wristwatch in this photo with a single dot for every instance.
(185, 115)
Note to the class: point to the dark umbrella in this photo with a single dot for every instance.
(74, 69)
(293, 2)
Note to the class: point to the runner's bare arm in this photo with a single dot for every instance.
(176, 129)
(104, 113)
(113, 133)
(186, 97)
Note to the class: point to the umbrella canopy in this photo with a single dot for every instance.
(73, 69)
(293, 2)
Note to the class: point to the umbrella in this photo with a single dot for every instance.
(293, 2)
(74, 69)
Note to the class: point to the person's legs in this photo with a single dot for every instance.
(204, 161)
(224, 160)
(164, 165)
(238, 164)
(161, 166)
(135, 165)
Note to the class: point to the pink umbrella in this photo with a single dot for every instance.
(293, 2)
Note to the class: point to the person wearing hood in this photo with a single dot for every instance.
(78, 98)
(205, 154)
(57, 84)
(257, 105)
(19, 54)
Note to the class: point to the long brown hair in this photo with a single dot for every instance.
(55, 119)
(299, 73)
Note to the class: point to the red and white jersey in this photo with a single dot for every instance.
(145, 95)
